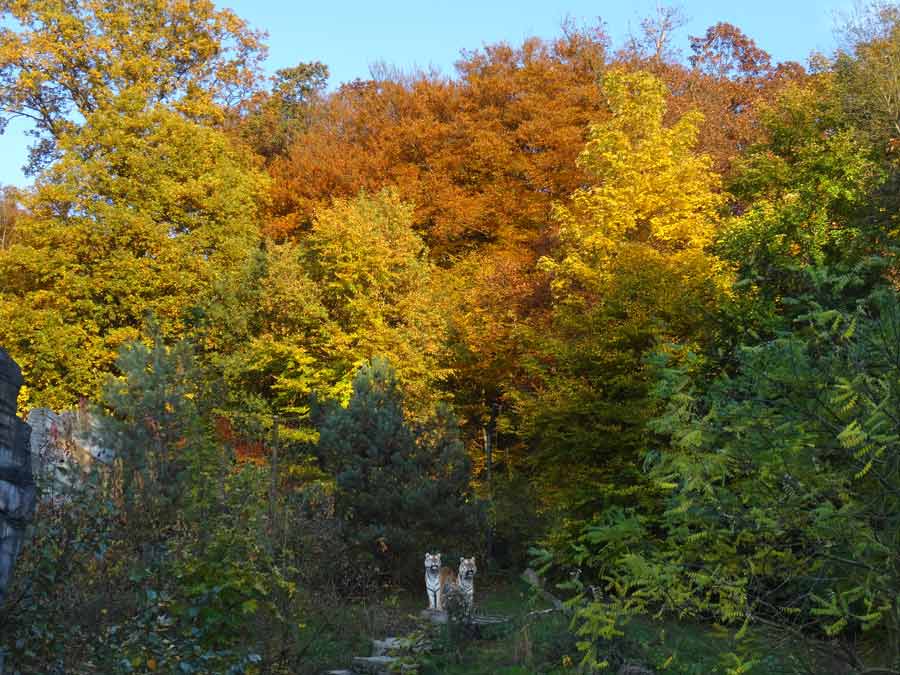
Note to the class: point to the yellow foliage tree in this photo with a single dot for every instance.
(631, 273)
(61, 62)
(145, 212)
(652, 191)
(358, 286)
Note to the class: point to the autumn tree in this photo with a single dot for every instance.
(61, 63)
(731, 79)
(144, 212)
(271, 121)
(726, 76)
(358, 286)
(481, 156)
(374, 276)
(631, 272)
(490, 296)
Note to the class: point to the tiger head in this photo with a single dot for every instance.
(432, 562)
(467, 568)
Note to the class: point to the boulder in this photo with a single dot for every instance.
(383, 647)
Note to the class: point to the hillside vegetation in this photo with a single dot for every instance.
(627, 318)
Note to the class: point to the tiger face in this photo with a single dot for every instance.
(432, 563)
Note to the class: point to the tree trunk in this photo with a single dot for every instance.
(488, 432)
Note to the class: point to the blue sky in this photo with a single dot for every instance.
(349, 36)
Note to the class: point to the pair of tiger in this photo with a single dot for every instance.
(442, 581)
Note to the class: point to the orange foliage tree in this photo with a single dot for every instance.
(482, 156)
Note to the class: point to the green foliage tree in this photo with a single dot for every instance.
(158, 562)
(151, 423)
(783, 484)
(866, 67)
(207, 571)
(401, 489)
(777, 460)
(272, 121)
(806, 195)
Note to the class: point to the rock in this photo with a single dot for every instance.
(532, 578)
(17, 493)
(338, 672)
(49, 458)
(401, 645)
(382, 647)
(634, 669)
(434, 615)
(63, 447)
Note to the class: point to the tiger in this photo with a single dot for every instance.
(466, 583)
(438, 580)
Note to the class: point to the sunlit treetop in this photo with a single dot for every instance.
(650, 186)
(62, 61)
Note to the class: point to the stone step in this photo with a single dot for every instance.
(404, 645)
(372, 665)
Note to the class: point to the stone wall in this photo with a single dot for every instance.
(17, 492)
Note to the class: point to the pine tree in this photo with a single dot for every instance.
(401, 489)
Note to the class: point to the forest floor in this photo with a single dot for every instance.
(536, 642)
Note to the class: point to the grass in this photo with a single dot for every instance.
(522, 647)
(544, 645)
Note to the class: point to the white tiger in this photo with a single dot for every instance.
(466, 583)
(437, 580)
